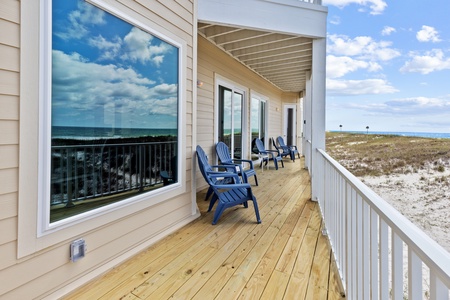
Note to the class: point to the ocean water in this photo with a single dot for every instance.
(434, 135)
(88, 133)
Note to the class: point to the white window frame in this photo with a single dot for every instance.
(34, 230)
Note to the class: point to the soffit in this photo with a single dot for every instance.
(282, 59)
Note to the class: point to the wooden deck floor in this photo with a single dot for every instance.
(284, 257)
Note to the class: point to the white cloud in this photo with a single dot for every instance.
(109, 49)
(408, 106)
(79, 19)
(363, 47)
(376, 6)
(338, 66)
(428, 34)
(359, 87)
(432, 61)
(348, 55)
(138, 48)
(388, 30)
(335, 20)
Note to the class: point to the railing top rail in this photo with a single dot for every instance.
(429, 251)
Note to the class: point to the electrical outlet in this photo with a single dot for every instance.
(77, 250)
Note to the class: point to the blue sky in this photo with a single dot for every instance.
(108, 73)
(388, 65)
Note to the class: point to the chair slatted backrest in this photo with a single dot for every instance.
(203, 164)
(260, 146)
(223, 153)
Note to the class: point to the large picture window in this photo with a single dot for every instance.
(113, 112)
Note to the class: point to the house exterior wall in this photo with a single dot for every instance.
(45, 270)
(214, 63)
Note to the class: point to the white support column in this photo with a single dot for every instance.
(317, 114)
(307, 122)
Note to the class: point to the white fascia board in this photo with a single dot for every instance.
(283, 16)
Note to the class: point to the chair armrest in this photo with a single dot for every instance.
(246, 161)
(224, 175)
(232, 166)
(232, 186)
(226, 166)
(273, 152)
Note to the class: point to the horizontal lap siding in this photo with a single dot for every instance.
(49, 270)
(9, 131)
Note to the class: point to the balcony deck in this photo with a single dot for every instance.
(284, 257)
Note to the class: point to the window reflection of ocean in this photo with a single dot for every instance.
(87, 133)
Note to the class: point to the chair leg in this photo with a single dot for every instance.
(208, 193)
(219, 210)
(275, 162)
(212, 202)
(255, 205)
(256, 180)
(282, 163)
(244, 177)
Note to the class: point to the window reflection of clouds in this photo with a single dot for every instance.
(99, 58)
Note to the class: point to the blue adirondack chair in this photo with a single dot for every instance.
(225, 158)
(218, 180)
(226, 195)
(292, 149)
(280, 151)
(268, 154)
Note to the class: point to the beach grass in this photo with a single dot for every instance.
(377, 155)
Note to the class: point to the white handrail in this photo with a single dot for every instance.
(359, 223)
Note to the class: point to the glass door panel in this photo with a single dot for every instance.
(237, 122)
(258, 123)
(230, 120)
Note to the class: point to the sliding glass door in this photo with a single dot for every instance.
(258, 123)
(230, 119)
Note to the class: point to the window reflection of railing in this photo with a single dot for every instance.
(85, 172)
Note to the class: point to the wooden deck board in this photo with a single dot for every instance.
(284, 257)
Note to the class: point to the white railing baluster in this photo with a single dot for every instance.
(414, 276)
(438, 290)
(397, 266)
(374, 266)
(366, 250)
(384, 260)
(359, 246)
(353, 252)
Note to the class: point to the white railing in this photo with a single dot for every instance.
(379, 253)
(306, 148)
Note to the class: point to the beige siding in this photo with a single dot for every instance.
(9, 107)
(11, 58)
(9, 128)
(10, 10)
(212, 61)
(8, 203)
(10, 33)
(49, 271)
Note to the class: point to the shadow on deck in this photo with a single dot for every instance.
(284, 257)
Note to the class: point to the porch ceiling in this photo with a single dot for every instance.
(282, 59)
